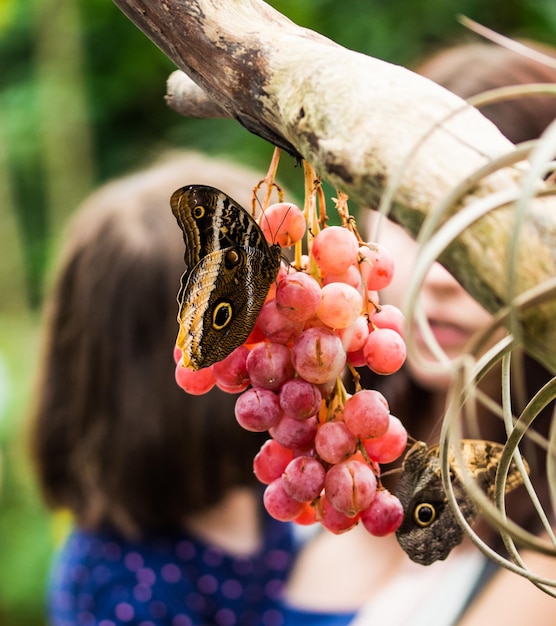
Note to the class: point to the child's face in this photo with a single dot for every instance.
(454, 316)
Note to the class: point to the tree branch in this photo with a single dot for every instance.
(366, 126)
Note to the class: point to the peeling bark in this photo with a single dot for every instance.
(365, 125)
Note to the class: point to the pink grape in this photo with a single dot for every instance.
(384, 351)
(334, 442)
(366, 414)
(177, 355)
(233, 388)
(340, 305)
(318, 355)
(298, 296)
(299, 398)
(377, 266)
(351, 276)
(335, 249)
(271, 461)
(389, 316)
(196, 382)
(390, 446)
(307, 517)
(384, 515)
(355, 335)
(304, 478)
(269, 365)
(333, 520)
(357, 358)
(293, 433)
(258, 409)
(276, 326)
(232, 371)
(283, 223)
(350, 487)
(279, 504)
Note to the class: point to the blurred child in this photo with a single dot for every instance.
(169, 525)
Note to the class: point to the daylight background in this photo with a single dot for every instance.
(82, 100)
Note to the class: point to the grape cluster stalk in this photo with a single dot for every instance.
(321, 463)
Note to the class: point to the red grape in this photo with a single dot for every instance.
(389, 446)
(384, 515)
(195, 382)
(258, 409)
(334, 442)
(318, 355)
(271, 461)
(298, 296)
(299, 398)
(350, 487)
(269, 365)
(366, 414)
(304, 478)
(279, 504)
(384, 351)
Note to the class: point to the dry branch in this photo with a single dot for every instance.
(363, 124)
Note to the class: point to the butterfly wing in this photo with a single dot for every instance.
(229, 270)
(430, 530)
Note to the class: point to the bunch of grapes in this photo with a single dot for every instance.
(322, 460)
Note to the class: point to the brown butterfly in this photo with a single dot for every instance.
(229, 270)
(430, 530)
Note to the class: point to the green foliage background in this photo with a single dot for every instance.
(81, 100)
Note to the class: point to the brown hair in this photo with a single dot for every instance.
(471, 69)
(113, 437)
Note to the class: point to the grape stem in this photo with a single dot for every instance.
(270, 181)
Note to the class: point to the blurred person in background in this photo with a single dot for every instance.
(358, 579)
(169, 527)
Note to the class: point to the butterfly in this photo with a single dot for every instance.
(229, 270)
(429, 530)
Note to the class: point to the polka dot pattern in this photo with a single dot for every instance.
(100, 579)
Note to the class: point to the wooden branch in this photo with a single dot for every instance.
(365, 125)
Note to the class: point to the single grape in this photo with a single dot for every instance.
(299, 398)
(357, 358)
(318, 356)
(340, 305)
(377, 266)
(307, 517)
(384, 515)
(350, 487)
(335, 249)
(276, 326)
(196, 382)
(269, 365)
(332, 519)
(231, 372)
(304, 478)
(390, 446)
(271, 461)
(384, 351)
(298, 296)
(366, 414)
(334, 442)
(388, 316)
(258, 409)
(293, 433)
(355, 335)
(351, 276)
(279, 504)
(283, 223)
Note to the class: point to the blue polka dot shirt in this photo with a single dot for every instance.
(101, 579)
